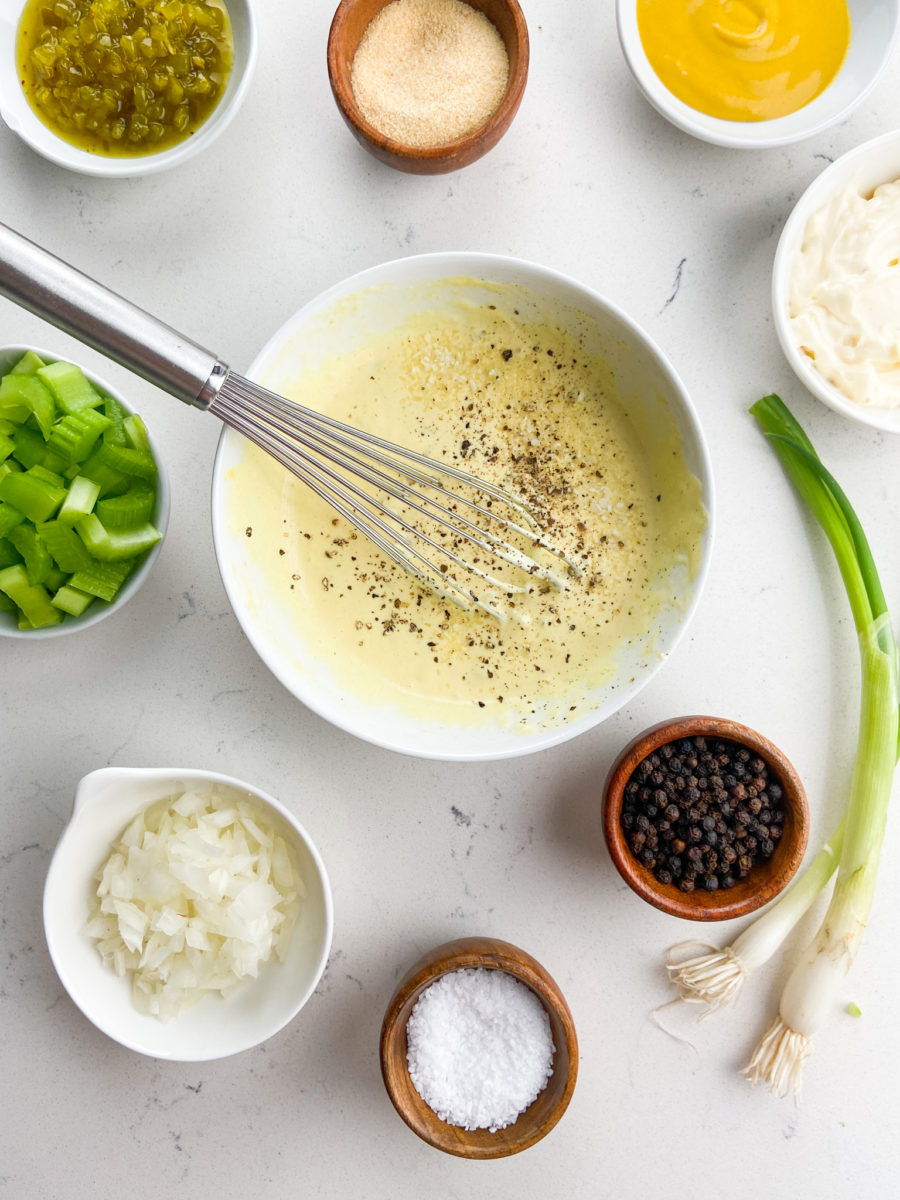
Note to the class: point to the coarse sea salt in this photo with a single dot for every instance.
(479, 1048)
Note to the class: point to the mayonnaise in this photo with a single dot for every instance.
(844, 300)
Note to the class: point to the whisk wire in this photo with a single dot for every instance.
(305, 442)
(362, 511)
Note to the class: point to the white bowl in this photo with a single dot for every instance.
(99, 609)
(21, 118)
(376, 301)
(868, 165)
(874, 32)
(105, 802)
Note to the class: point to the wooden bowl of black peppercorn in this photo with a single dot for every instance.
(705, 818)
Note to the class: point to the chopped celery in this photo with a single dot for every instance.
(112, 482)
(55, 463)
(30, 450)
(55, 579)
(32, 600)
(113, 545)
(69, 386)
(136, 433)
(80, 500)
(47, 476)
(8, 553)
(70, 600)
(115, 435)
(28, 392)
(103, 580)
(32, 495)
(76, 493)
(64, 546)
(29, 447)
(35, 554)
(9, 518)
(74, 436)
(128, 460)
(27, 364)
(133, 507)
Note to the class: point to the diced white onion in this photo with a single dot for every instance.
(195, 896)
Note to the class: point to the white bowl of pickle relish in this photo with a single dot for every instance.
(527, 379)
(874, 26)
(171, 111)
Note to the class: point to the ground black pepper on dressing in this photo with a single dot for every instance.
(521, 404)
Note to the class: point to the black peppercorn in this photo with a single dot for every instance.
(700, 812)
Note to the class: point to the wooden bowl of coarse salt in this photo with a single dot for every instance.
(478, 1034)
(428, 86)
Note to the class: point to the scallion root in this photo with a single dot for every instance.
(713, 978)
(778, 1060)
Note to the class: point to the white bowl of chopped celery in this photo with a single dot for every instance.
(187, 913)
(127, 81)
(84, 496)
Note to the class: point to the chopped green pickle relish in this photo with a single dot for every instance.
(124, 77)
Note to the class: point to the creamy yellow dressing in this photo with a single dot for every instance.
(745, 60)
(519, 404)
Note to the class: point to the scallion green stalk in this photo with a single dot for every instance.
(811, 990)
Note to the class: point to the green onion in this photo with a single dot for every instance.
(812, 988)
(714, 977)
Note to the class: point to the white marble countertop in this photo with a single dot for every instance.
(680, 234)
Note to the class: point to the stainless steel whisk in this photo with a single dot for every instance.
(350, 469)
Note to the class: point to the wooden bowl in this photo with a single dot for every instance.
(766, 878)
(347, 28)
(540, 1117)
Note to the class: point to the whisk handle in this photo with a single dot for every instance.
(51, 289)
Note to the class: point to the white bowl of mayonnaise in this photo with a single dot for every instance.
(836, 285)
(525, 378)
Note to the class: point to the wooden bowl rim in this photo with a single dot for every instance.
(460, 954)
(402, 154)
(773, 876)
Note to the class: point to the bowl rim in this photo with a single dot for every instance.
(490, 953)
(806, 122)
(99, 610)
(82, 997)
(401, 154)
(703, 906)
(446, 265)
(843, 170)
(18, 115)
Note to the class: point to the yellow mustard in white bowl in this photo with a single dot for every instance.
(745, 60)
